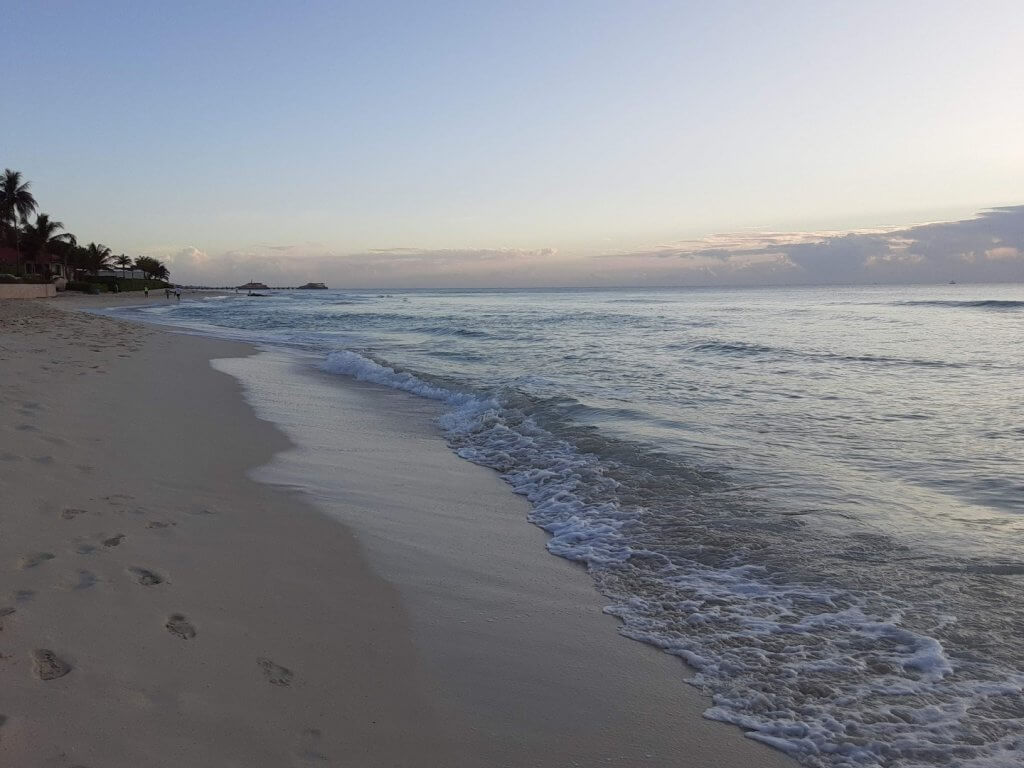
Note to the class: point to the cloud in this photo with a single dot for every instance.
(384, 267)
(988, 247)
(189, 257)
(1003, 252)
(471, 267)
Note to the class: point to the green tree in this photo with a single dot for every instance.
(94, 258)
(123, 262)
(40, 238)
(147, 264)
(16, 204)
(66, 249)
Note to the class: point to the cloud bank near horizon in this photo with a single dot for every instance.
(988, 247)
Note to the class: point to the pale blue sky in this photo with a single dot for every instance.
(586, 127)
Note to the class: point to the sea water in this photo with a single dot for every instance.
(814, 496)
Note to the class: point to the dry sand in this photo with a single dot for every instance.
(160, 608)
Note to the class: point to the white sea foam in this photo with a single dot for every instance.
(805, 669)
(364, 369)
(740, 542)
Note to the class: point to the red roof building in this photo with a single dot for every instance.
(53, 265)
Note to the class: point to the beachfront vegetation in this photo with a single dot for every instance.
(42, 241)
(16, 204)
(151, 267)
(95, 258)
(39, 238)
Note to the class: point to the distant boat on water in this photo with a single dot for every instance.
(313, 287)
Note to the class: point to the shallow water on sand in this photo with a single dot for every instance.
(815, 496)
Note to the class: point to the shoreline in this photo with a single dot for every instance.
(502, 658)
(535, 672)
(125, 462)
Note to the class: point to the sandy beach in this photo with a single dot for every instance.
(170, 597)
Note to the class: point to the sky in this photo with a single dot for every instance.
(407, 144)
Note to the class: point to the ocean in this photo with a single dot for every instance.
(814, 496)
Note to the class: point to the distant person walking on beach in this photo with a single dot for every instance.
(167, 293)
(177, 293)
(145, 290)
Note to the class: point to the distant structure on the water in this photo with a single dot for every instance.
(254, 286)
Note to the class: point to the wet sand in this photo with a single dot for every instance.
(161, 607)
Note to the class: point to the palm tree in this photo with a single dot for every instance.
(95, 258)
(147, 264)
(16, 202)
(123, 262)
(66, 249)
(42, 236)
(162, 272)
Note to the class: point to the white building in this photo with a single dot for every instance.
(128, 274)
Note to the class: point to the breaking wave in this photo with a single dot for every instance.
(833, 677)
(981, 304)
(813, 497)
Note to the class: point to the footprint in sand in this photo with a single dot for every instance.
(86, 579)
(179, 626)
(309, 751)
(72, 512)
(31, 561)
(48, 665)
(275, 673)
(85, 549)
(146, 577)
(113, 541)
(159, 524)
